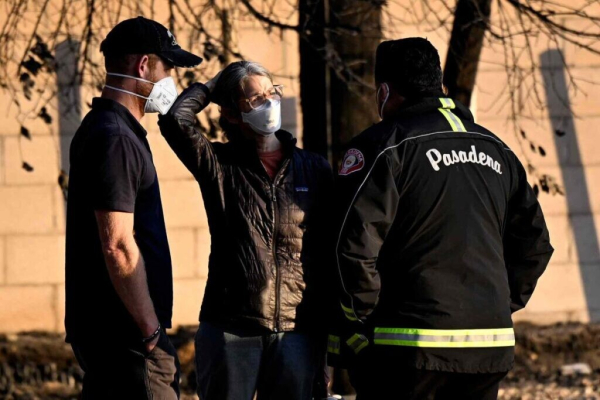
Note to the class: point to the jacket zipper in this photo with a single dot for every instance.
(274, 245)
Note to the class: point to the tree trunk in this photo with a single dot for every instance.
(225, 57)
(337, 71)
(312, 76)
(354, 41)
(471, 20)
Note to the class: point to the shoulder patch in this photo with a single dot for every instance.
(353, 161)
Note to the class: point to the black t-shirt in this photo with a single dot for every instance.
(112, 169)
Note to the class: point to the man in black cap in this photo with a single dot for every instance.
(119, 289)
(440, 240)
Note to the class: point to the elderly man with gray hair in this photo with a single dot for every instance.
(261, 323)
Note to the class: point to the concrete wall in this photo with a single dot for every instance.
(568, 291)
(32, 217)
(32, 208)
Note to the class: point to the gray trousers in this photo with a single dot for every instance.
(119, 372)
(233, 365)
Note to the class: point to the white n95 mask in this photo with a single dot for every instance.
(160, 99)
(266, 119)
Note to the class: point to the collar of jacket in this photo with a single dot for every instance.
(245, 149)
(430, 103)
(288, 143)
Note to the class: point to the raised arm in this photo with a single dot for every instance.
(179, 129)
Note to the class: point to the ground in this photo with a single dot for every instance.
(41, 366)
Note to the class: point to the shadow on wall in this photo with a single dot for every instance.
(581, 216)
(69, 97)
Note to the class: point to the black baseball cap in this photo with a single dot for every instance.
(143, 36)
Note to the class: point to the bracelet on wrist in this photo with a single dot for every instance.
(153, 336)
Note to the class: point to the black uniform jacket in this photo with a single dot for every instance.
(440, 239)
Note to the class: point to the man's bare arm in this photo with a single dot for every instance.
(126, 269)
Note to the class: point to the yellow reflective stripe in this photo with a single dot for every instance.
(333, 344)
(357, 342)
(461, 126)
(500, 337)
(353, 339)
(450, 121)
(447, 103)
(447, 332)
(362, 346)
(349, 313)
(453, 120)
(409, 343)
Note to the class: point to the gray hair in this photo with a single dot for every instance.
(227, 91)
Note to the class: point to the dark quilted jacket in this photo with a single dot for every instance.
(268, 238)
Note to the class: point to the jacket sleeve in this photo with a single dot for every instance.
(324, 237)
(372, 199)
(527, 248)
(179, 129)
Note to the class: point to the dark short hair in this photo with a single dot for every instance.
(411, 66)
(122, 63)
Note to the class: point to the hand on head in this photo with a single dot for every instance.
(250, 103)
(211, 83)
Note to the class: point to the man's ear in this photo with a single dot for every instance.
(382, 92)
(231, 116)
(142, 67)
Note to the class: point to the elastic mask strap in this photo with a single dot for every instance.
(126, 91)
(380, 111)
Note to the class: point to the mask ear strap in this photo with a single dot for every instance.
(126, 91)
(380, 111)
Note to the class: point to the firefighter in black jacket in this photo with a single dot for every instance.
(440, 240)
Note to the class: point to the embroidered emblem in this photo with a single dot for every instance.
(174, 42)
(353, 161)
(436, 158)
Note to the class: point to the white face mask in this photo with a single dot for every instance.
(266, 119)
(160, 99)
(380, 111)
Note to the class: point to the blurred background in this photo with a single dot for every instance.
(528, 69)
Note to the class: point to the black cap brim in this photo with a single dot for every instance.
(181, 58)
